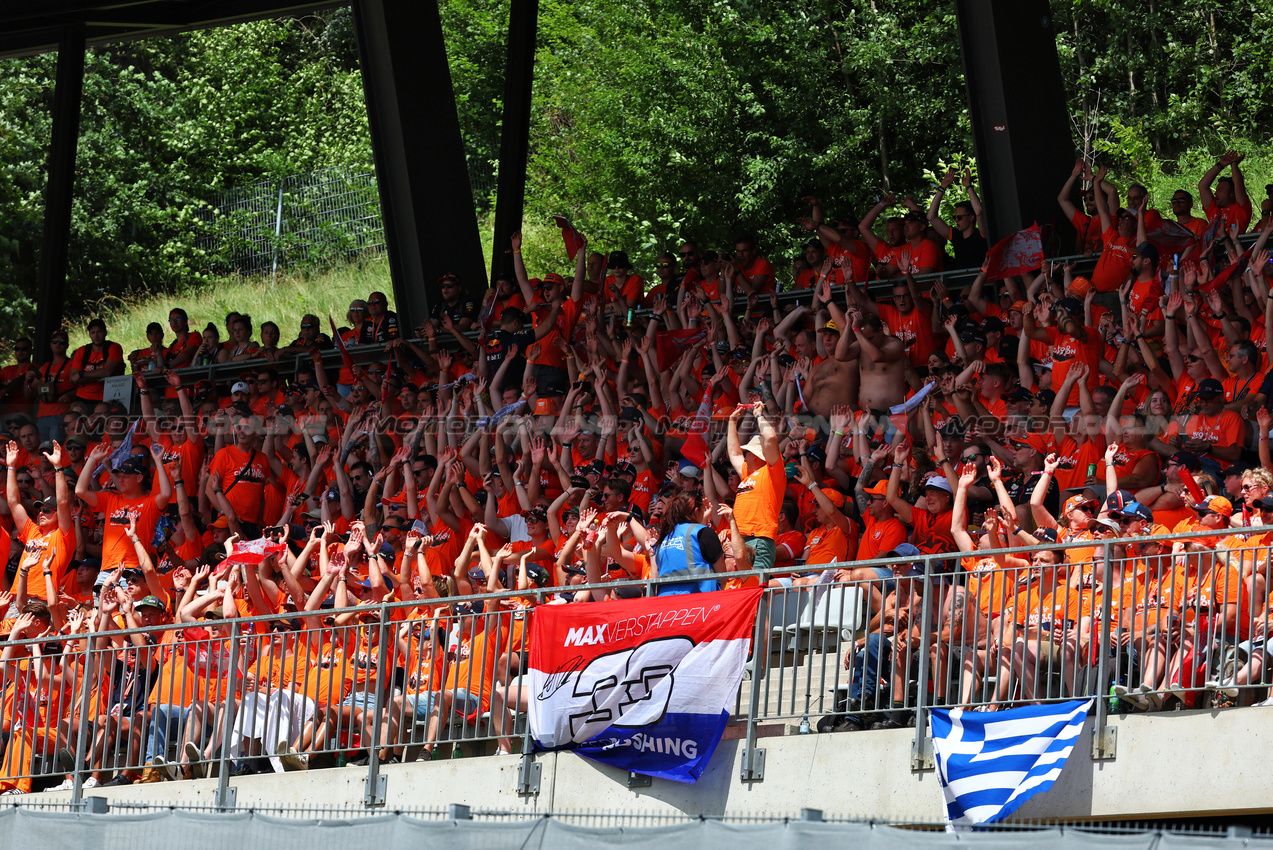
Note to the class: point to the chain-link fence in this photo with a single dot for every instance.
(323, 216)
(316, 218)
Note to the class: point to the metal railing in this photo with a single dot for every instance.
(388, 682)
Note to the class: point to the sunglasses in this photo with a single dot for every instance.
(1192, 358)
(376, 303)
(42, 508)
(306, 325)
(663, 265)
(57, 342)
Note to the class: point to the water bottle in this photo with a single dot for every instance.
(1115, 704)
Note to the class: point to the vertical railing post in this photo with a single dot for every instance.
(925, 633)
(374, 793)
(1102, 661)
(81, 742)
(225, 794)
(753, 767)
(278, 231)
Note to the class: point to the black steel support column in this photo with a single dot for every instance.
(425, 197)
(55, 242)
(514, 148)
(1020, 121)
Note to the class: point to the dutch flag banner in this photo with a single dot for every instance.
(989, 763)
(645, 685)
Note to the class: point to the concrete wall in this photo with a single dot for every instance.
(1198, 763)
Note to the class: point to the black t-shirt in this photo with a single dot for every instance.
(497, 346)
(462, 309)
(1021, 488)
(379, 330)
(709, 545)
(970, 251)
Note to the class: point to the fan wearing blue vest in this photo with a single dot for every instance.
(687, 548)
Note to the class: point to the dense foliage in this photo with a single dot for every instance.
(653, 119)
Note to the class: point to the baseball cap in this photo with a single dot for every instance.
(991, 324)
(879, 489)
(1035, 441)
(1148, 251)
(1018, 393)
(816, 454)
(688, 469)
(1216, 505)
(973, 335)
(829, 326)
(1238, 467)
(553, 277)
(836, 497)
(538, 512)
(1046, 397)
(952, 427)
(1118, 500)
(905, 550)
(240, 387)
(1109, 524)
(624, 468)
(1209, 388)
(152, 602)
(220, 522)
(1188, 460)
(77, 440)
(1079, 286)
(1019, 306)
(915, 215)
(1079, 501)
(1136, 510)
(1048, 534)
(938, 482)
(132, 465)
(1071, 305)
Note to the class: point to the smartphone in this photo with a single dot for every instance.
(274, 529)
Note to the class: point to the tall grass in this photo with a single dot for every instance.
(283, 302)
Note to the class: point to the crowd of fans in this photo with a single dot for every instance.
(558, 435)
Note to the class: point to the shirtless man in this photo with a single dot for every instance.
(880, 357)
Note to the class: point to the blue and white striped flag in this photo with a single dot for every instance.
(990, 763)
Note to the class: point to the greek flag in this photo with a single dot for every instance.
(990, 763)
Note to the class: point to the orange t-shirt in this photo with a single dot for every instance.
(482, 650)
(116, 547)
(1115, 262)
(827, 545)
(52, 548)
(759, 501)
(880, 536)
(247, 497)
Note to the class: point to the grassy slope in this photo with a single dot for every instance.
(283, 302)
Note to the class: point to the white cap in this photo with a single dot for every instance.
(240, 387)
(938, 482)
(756, 446)
(689, 470)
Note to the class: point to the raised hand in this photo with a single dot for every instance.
(1051, 463)
(1110, 451)
(994, 468)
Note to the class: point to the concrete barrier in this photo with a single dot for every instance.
(1167, 765)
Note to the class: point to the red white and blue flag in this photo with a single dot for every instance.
(644, 685)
